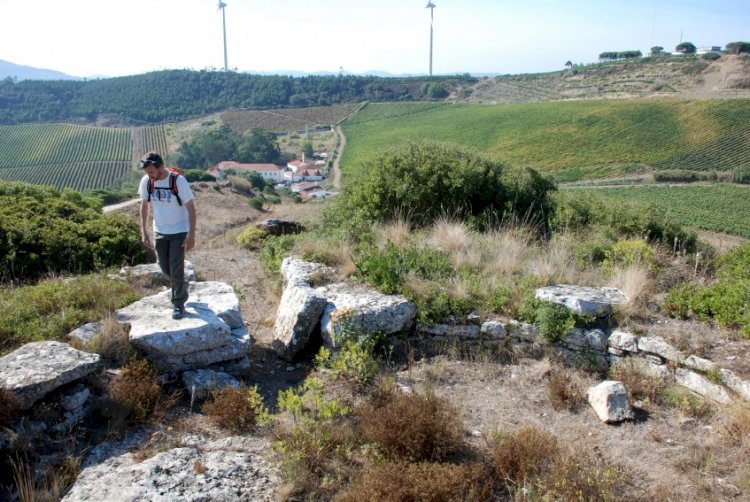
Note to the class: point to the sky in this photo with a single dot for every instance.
(87, 38)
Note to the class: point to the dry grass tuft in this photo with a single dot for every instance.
(553, 265)
(450, 236)
(634, 281)
(230, 408)
(136, 388)
(397, 232)
(735, 431)
(639, 385)
(563, 391)
(505, 250)
(32, 486)
(426, 482)
(414, 426)
(523, 455)
(112, 343)
(578, 475)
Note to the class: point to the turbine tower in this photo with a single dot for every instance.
(431, 6)
(222, 6)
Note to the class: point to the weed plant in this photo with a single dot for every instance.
(136, 388)
(237, 409)
(413, 426)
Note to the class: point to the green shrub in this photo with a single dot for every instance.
(686, 402)
(256, 203)
(628, 253)
(407, 182)
(46, 231)
(252, 238)
(679, 175)
(275, 249)
(711, 56)
(387, 268)
(727, 301)
(193, 175)
(554, 321)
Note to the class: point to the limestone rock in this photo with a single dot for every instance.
(199, 383)
(702, 385)
(657, 345)
(280, 227)
(597, 302)
(238, 344)
(523, 331)
(299, 313)
(698, 363)
(224, 470)
(37, 368)
(86, 333)
(211, 331)
(454, 331)
(731, 380)
(363, 310)
(493, 329)
(610, 401)
(623, 341)
(295, 270)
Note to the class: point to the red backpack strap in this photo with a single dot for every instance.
(150, 188)
(173, 186)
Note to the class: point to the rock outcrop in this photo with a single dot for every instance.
(596, 302)
(223, 470)
(38, 368)
(610, 401)
(212, 330)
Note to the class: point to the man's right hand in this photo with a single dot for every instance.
(146, 240)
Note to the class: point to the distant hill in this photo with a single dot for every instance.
(21, 72)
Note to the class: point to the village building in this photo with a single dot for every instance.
(271, 172)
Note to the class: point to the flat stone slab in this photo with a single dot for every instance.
(237, 346)
(702, 385)
(597, 302)
(38, 368)
(211, 312)
(295, 270)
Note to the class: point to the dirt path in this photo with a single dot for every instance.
(336, 162)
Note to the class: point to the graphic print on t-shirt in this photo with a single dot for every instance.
(163, 195)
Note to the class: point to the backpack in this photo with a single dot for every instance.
(173, 172)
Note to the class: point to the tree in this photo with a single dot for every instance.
(657, 50)
(737, 47)
(685, 48)
(568, 64)
(257, 145)
(307, 149)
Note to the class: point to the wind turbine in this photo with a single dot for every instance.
(431, 6)
(222, 7)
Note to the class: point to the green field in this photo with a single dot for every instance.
(74, 156)
(571, 140)
(718, 208)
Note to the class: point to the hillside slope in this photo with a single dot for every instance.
(684, 77)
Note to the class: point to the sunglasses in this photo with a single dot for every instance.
(149, 162)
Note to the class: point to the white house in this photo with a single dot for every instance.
(268, 171)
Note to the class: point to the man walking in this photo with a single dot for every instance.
(168, 197)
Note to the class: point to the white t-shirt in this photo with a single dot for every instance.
(169, 216)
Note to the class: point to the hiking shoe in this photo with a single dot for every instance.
(178, 312)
